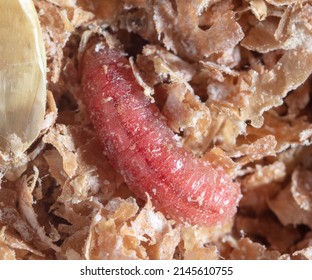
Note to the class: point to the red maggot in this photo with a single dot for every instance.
(140, 145)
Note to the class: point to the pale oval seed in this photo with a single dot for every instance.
(22, 73)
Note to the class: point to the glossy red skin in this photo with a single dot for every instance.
(139, 144)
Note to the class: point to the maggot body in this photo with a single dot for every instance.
(143, 149)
